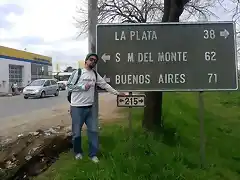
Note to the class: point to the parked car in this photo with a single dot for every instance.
(41, 88)
(62, 85)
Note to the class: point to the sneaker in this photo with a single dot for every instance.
(95, 159)
(78, 156)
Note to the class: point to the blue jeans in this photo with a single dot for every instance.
(81, 115)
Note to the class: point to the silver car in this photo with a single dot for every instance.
(41, 88)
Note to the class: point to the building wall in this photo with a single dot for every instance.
(50, 70)
(34, 66)
(4, 73)
(81, 64)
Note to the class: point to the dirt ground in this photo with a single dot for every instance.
(43, 119)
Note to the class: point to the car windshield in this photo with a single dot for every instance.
(37, 83)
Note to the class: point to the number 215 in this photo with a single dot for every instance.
(130, 101)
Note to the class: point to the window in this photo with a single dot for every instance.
(37, 82)
(15, 74)
(39, 71)
(53, 82)
(47, 83)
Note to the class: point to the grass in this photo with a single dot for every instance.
(173, 155)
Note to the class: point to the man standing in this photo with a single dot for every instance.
(82, 98)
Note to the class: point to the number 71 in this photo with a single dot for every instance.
(212, 78)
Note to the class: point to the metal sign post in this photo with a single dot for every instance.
(130, 101)
(129, 118)
(92, 22)
(202, 134)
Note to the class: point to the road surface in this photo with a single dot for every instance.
(18, 115)
(17, 105)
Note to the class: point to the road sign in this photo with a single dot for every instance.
(168, 56)
(134, 100)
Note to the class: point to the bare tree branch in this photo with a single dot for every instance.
(141, 11)
(127, 11)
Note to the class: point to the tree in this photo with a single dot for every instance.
(137, 11)
(141, 11)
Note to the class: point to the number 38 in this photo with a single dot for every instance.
(209, 34)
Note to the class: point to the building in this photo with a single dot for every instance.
(22, 67)
(81, 64)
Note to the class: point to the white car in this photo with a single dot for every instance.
(41, 88)
(62, 85)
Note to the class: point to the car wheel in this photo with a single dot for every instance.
(25, 97)
(57, 93)
(43, 94)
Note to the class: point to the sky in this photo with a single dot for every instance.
(44, 27)
(47, 27)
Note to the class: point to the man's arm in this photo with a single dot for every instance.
(70, 81)
(71, 77)
(104, 85)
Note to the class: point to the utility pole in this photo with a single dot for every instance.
(92, 22)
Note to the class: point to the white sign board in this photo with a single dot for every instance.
(135, 100)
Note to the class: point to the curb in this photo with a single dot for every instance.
(5, 95)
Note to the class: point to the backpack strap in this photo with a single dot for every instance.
(96, 87)
(78, 76)
(95, 73)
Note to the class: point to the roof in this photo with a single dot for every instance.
(19, 55)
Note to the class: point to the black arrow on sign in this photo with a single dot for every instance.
(140, 100)
(121, 100)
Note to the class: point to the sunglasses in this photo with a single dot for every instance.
(93, 59)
